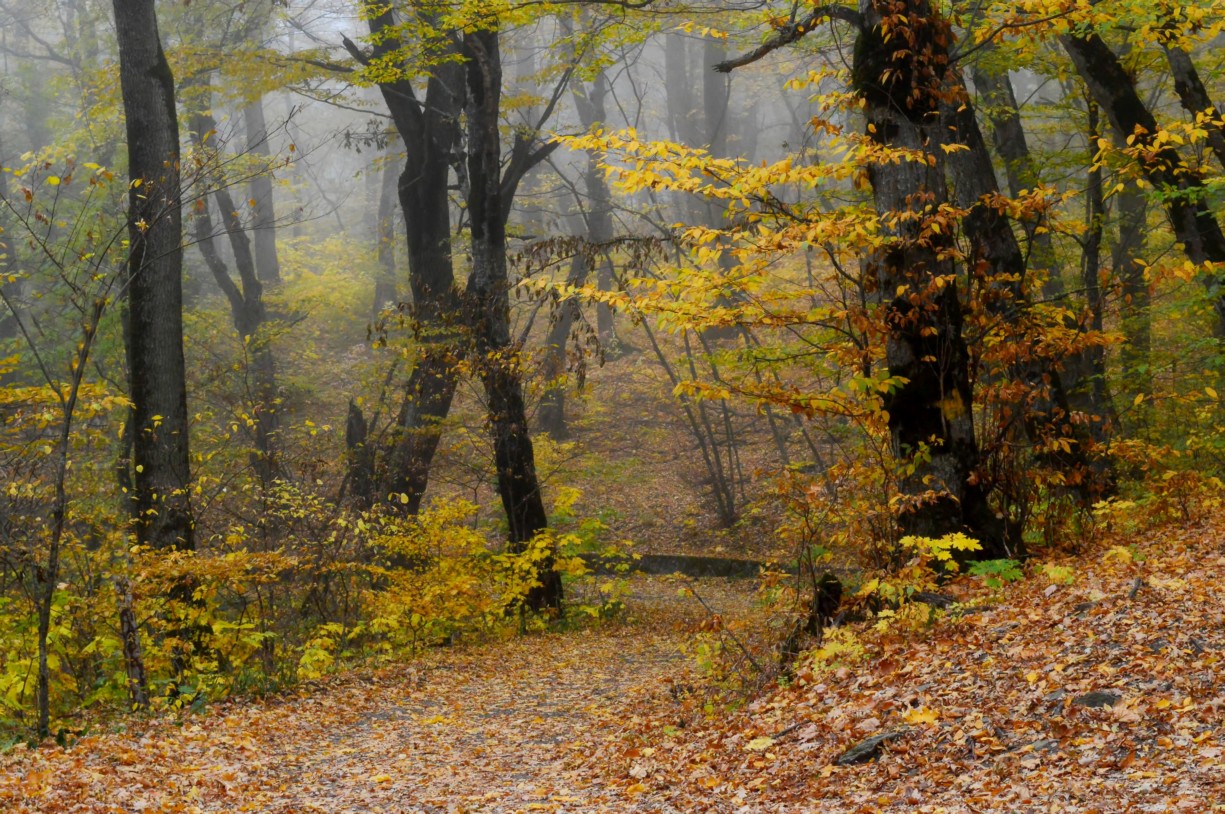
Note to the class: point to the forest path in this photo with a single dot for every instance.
(514, 725)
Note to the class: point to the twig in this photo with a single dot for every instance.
(730, 635)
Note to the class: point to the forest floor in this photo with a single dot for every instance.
(1101, 690)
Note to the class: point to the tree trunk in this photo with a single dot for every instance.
(1019, 168)
(430, 133)
(1195, 100)
(1091, 267)
(8, 254)
(489, 313)
(162, 504)
(1183, 190)
(246, 299)
(1047, 412)
(551, 416)
(1137, 329)
(263, 226)
(901, 80)
(385, 290)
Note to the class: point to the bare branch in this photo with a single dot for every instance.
(790, 33)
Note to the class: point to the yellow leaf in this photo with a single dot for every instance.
(1208, 391)
(381, 778)
(1138, 400)
(760, 744)
(1031, 676)
(921, 715)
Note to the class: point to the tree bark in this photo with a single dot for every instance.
(1195, 100)
(902, 83)
(156, 368)
(246, 299)
(1048, 411)
(263, 226)
(385, 290)
(1020, 168)
(430, 132)
(488, 304)
(1137, 329)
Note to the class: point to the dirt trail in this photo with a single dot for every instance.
(518, 725)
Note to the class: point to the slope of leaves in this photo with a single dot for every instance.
(1102, 695)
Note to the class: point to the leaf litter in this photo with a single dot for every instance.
(1103, 695)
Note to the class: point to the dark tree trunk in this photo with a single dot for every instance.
(263, 226)
(1129, 267)
(161, 504)
(488, 306)
(1019, 168)
(902, 82)
(1195, 100)
(430, 131)
(361, 457)
(1091, 266)
(1182, 189)
(993, 242)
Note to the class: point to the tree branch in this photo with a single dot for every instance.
(790, 33)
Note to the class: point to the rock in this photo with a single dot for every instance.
(1097, 699)
(868, 748)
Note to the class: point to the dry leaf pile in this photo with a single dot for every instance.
(1105, 695)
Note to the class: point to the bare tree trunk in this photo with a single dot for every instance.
(263, 227)
(429, 129)
(1137, 329)
(489, 312)
(551, 415)
(161, 504)
(385, 290)
(129, 635)
(1091, 267)
(246, 305)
